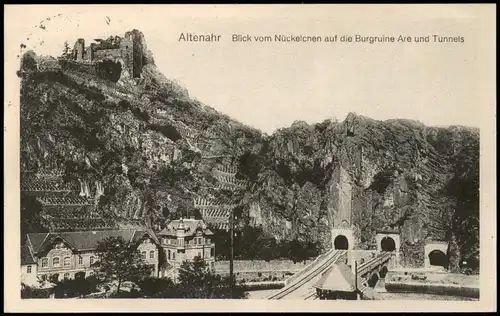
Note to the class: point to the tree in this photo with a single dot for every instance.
(75, 287)
(28, 61)
(66, 50)
(296, 252)
(119, 261)
(31, 220)
(33, 292)
(197, 280)
(158, 288)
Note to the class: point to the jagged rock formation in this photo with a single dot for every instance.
(158, 154)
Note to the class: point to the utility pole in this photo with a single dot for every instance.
(356, 278)
(231, 230)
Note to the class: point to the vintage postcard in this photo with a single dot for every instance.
(249, 157)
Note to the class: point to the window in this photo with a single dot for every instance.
(91, 259)
(67, 261)
(199, 254)
(28, 269)
(173, 255)
(143, 255)
(211, 252)
(207, 240)
(169, 254)
(45, 263)
(200, 240)
(163, 240)
(80, 260)
(56, 262)
(151, 254)
(195, 241)
(66, 276)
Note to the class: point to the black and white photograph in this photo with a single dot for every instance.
(250, 153)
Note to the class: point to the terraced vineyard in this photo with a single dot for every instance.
(62, 206)
(218, 211)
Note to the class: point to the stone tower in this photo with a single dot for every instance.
(340, 213)
(79, 49)
(131, 51)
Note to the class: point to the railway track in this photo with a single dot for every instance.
(311, 296)
(308, 277)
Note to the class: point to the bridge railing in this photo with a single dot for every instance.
(372, 263)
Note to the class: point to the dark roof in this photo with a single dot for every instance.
(85, 240)
(26, 256)
(190, 226)
(338, 278)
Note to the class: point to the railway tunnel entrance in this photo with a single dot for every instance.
(388, 241)
(341, 242)
(436, 254)
(342, 239)
(438, 258)
(388, 244)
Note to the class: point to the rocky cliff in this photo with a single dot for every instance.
(151, 150)
(397, 175)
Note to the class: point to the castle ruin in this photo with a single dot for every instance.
(126, 50)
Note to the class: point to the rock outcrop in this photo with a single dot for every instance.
(155, 151)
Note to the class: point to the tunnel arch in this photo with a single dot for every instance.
(436, 254)
(383, 271)
(373, 280)
(438, 258)
(388, 241)
(387, 244)
(341, 242)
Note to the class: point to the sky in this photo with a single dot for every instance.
(271, 85)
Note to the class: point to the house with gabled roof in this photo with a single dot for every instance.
(67, 255)
(183, 240)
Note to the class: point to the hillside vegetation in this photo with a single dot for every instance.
(154, 149)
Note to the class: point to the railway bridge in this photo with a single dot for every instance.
(375, 269)
(301, 285)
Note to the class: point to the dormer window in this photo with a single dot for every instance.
(56, 262)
